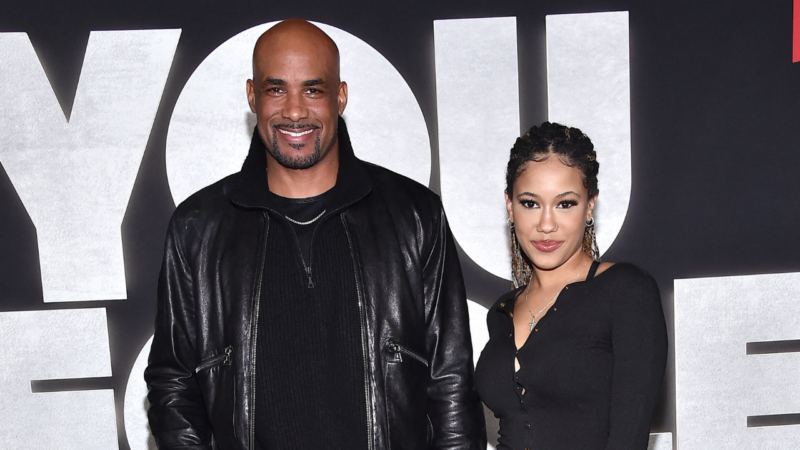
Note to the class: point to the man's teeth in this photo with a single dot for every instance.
(292, 133)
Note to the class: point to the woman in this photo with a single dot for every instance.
(586, 376)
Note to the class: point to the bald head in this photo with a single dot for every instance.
(297, 96)
(301, 36)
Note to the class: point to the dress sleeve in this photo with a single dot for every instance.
(639, 341)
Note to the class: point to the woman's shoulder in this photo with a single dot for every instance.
(506, 297)
(627, 277)
(623, 271)
(625, 282)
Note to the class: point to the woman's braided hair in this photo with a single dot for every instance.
(574, 149)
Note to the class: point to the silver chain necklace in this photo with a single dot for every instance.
(308, 222)
(533, 316)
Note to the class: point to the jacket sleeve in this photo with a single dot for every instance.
(177, 413)
(455, 412)
(639, 345)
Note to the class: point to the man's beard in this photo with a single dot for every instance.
(300, 162)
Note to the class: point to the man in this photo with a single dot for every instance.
(310, 300)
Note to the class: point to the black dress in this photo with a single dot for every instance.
(591, 369)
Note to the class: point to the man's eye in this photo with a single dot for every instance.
(274, 90)
(313, 91)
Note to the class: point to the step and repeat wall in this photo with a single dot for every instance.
(111, 114)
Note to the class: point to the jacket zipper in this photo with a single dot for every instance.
(224, 359)
(310, 281)
(399, 351)
(363, 335)
(255, 334)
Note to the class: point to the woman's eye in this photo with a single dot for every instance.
(567, 204)
(528, 204)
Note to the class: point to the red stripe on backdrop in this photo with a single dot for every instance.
(796, 39)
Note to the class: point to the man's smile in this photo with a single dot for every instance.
(294, 133)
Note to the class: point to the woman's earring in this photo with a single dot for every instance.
(516, 259)
(509, 223)
(520, 271)
(592, 240)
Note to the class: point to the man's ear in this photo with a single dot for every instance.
(342, 96)
(251, 95)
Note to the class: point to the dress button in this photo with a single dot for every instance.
(502, 305)
(527, 426)
(511, 314)
(555, 309)
(520, 401)
(536, 329)
(510, 334)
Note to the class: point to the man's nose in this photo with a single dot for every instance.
(295, 108)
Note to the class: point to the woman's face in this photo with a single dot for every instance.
(549, 209)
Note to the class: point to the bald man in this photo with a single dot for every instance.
(310, 300)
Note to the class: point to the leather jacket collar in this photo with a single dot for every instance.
(251, 189)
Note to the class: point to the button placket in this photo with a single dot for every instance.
(518, 387)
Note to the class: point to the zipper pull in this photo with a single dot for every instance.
(310, 281)
(398, 357)
(227, 360)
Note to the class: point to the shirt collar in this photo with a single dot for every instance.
(508, 300)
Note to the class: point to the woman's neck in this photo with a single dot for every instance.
(573, 269)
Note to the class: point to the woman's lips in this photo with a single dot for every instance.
(547, 245)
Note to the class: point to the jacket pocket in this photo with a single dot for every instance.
(217, 381)
(398, 351)
(222, 359)
(406, 377)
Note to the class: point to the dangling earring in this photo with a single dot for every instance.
(590, 241)
(520, 272)
(516, 259)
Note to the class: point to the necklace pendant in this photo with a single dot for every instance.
(533, 323)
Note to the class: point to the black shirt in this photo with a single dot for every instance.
(591, 369)
(310, 389)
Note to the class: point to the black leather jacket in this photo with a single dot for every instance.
(415, 329)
